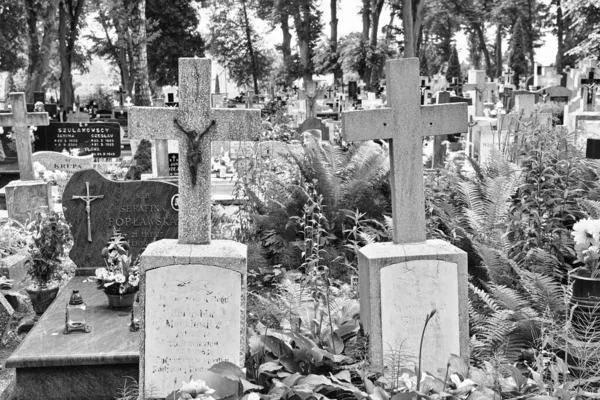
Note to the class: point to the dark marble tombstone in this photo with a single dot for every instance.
(315, 123)
(173, 164)
(102, 139)
(352, 90)
(143, 211)
(458, 99)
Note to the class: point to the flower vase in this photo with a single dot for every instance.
(121, 300)
(586, 302)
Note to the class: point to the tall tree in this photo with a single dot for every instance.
(518, 59)
(412, 19)
(41, 24)
(143, 96)
(453, 70)
(69, 12)
(307, 23)
(12, 36)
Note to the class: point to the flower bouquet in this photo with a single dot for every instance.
(119, 279)
(586, 234)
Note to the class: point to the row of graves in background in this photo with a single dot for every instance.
(192, 310)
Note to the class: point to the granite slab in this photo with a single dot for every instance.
(109, 342)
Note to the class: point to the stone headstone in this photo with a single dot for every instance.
(558, 93)
(315, 123)
(172, 349)
(65, 163)
(142, 211)
(411, 264)
(102, 139)
(6, 316)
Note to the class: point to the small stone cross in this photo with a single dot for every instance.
(21, 120)
(249, 98)
(88, 199)
(121, 93)
(404, 122)
(456, 86)
(204, 124)
(589, 86)
(483, 89)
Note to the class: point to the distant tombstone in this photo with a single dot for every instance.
(102, 139)
(315, 123)
(65, 163)
(171, 97)
(51, 109)
(78, 117)
(353, 90)
(458, 99)
(173, 164)
(558, 94)
(143, 211)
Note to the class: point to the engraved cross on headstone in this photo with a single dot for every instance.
(194, 113)
(482, 89)
(88, 199)
(404, 122)
(21, 120)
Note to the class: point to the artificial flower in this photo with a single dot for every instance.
(119, 278)
(195, 389)
(134, 280)
(583, 232)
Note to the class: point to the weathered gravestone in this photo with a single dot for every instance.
(65, 163)
(402, 282)
(6, 315)
(142, 211)
(524, 115)
(193, 292)
(26, 196)
(316, 124)
(102, 139)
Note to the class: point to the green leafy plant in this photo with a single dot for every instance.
(51, 236)
(13, 238)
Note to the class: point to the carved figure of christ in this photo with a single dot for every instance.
(21, 120)
(194, 124)
(483, 90)
(404, 123)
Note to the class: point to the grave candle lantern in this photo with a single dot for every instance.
(75, 314)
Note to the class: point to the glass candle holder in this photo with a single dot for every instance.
(75, 315)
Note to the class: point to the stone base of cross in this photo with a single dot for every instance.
(401, 282)
(193, 289)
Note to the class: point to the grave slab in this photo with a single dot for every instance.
(196, 297)
(51, 365)
(26, 198)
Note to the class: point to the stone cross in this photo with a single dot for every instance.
(471, 124)
(249, 98)
(456, 86)
(121, 94)
(508, 74)
(21, 120)
(194, 114)
(438, 157)
(162, 149)
(589, 87)
(483, 89)
(88, 199)
(405, 122)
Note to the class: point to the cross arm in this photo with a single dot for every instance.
(37, 119)
(236, 124)
(444, 119)
(6, 119)
(368, 124)
(469, 87)
(152, 123)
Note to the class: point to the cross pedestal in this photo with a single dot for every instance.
(26, 196)
(401, 282)
(191, 285)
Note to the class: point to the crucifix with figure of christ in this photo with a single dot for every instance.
(21, 120)
(88, 209)
(483, 90)
(194, 124)
(404, 122)
(589, 86)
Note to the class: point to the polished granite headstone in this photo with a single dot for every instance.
(102, 139)
(52, 365)
(143, 211)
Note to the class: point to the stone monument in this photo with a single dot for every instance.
(401, 282)
(193, 291)
(26, 196)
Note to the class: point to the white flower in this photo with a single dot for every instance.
(134, 280)
(101, 273)
(193, 389)
(584, 231)
(119, 278)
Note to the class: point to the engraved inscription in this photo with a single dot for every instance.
(192, 322)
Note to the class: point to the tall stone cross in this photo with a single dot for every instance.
(483, 89)
(404, 122)
(21, 120)
(508, 74)
(203, 124)
(249, 98)
(589, 87)
(121, 93)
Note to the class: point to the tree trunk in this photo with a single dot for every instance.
(419, 10)
(529, 36)
(338, 74)
(286, 45)
(140, 56)
(302, 23)
(410, 28)
(486, 54)
(366, 20)
(69, 14)
(250, 47)
(560, 38)
(39, 54)
(372, 76)
(498, 55)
